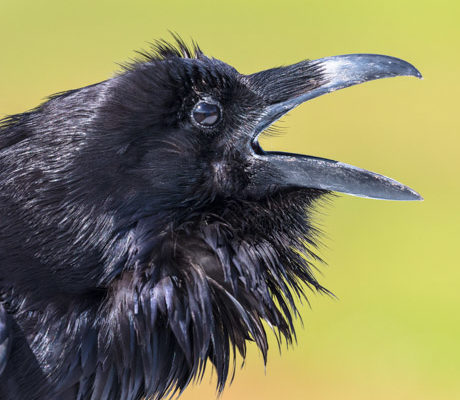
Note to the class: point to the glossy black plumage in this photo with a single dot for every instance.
(135, 246)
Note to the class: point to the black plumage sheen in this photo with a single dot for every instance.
(134, 246)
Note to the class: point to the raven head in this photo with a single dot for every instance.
(180, 108)
(153, 211)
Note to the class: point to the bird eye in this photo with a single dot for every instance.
(206, 114)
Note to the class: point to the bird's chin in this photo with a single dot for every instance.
(216, 283)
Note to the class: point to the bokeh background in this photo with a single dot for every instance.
(394, 332)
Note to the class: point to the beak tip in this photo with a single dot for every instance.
(414, 196)
(411, 70)
(418, 74)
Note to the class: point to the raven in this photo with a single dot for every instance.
(145, 232)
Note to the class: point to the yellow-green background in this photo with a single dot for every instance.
(394, 333)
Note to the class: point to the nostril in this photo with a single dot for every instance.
(256, 147)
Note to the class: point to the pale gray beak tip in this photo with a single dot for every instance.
(406, 194)
(415, 72)
(417, 197)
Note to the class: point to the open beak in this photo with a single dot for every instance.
(285, 88)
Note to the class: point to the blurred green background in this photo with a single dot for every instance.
(394, 332)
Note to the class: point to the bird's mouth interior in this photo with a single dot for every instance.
(256, 148)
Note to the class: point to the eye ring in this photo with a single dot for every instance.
(206, 113)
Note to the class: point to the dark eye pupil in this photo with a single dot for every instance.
(206, 114)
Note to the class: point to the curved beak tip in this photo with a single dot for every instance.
(418, 197)
(410, 69)
(405, 194)
(417, 73)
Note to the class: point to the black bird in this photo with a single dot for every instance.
(144, 231)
